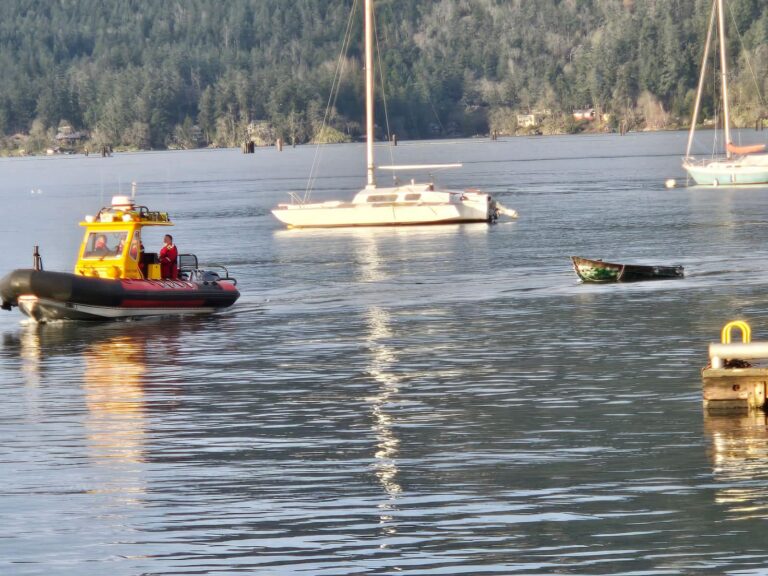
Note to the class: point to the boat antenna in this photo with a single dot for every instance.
(133, 190)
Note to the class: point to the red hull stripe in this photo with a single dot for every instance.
(176, 286)
(159, 286)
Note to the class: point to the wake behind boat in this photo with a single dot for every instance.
(408, 204)
(737, 164)
(115, 278)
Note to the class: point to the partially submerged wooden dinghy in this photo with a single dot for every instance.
(600, 271)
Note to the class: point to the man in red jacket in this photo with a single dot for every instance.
(168, 259)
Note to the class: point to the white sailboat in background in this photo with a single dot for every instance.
(738, 164)
(407, 204)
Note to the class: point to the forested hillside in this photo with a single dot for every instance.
(184, 73)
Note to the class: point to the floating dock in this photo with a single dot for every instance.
(731, 381)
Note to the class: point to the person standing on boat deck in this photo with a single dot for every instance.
(168, 258)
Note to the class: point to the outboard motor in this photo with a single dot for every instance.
(203, 276)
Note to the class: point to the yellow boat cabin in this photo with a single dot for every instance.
(112, 247)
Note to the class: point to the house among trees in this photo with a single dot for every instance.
(68, 136)
(587, 114)
(527, 120)
(534, 118)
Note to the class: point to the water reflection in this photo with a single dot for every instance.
(116, 421)
(30, 353)
(114, 393)
(739, 455)
(382, 359)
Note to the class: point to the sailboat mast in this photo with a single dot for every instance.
(724, 77)
(369, 91)
(700, 89)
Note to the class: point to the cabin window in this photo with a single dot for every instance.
(105, 244)
(382, 198)
(412, 197)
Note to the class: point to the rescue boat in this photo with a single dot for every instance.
(114, 276)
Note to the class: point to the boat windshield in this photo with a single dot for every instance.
(136, 246)
(105, 244)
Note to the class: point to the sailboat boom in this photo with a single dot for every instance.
(418, 166)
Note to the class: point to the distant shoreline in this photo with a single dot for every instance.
(586, 131)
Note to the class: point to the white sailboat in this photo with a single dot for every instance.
(737, 164)
(406, 204)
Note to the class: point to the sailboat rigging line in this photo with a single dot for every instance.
(718, 106)
(717, 101)
(432, 105)
(724, 77)
(746, 56)
(383, 93)
(701, 80)
(332, 98)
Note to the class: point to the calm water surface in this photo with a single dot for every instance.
(433, 400)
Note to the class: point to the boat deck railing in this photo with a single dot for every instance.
(189, 269)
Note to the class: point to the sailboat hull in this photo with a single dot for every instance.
(391, 207)
(741, 171)
(319, 216)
